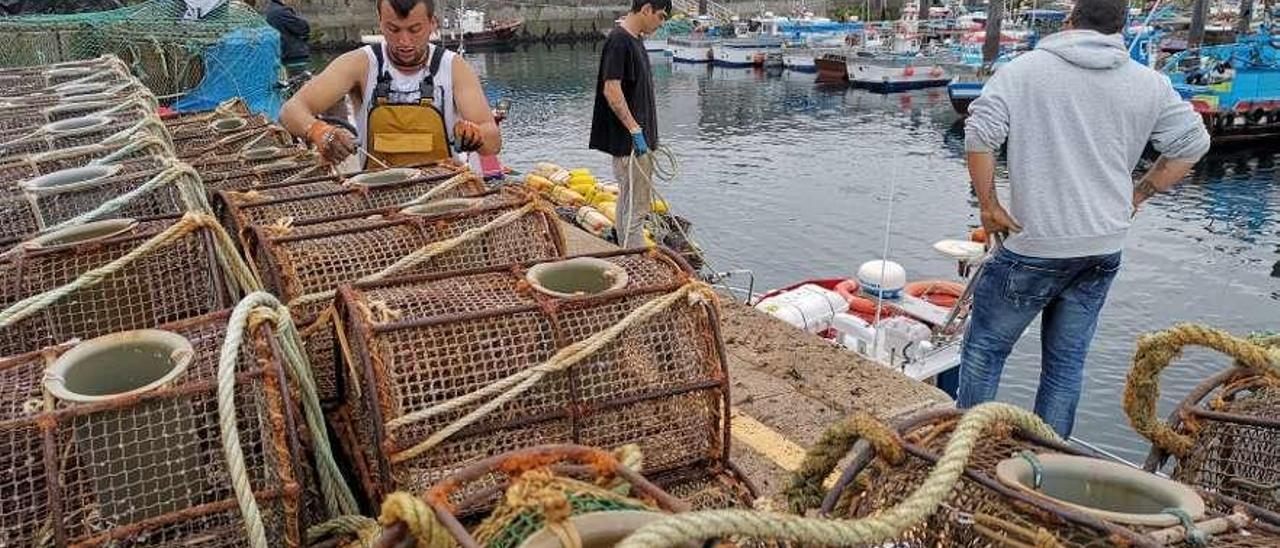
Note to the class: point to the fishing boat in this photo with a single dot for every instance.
(691, 49)
(915, 328)
(888, 73)
(1234, 87)
(962, 91)
(832, 67)
(754, 51)
(474, 32)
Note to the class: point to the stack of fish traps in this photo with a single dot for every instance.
(1224, 436)
(1019, 488)
(136, 408)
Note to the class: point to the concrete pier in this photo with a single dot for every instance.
(788, 386)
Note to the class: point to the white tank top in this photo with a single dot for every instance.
(406, 84)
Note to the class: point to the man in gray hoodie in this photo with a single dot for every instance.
(1076, 114)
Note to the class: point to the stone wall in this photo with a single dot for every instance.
(339, 23)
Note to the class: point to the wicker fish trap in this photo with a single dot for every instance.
(134, 456)
(600, 350)
(305, 264)
(1225, 435)
(137, 153)
(72, 132)
(116, 275)
(315, 198)
(985, 508)
(64, 198)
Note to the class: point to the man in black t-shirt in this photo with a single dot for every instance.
(625, 122)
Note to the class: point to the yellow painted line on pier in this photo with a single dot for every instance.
(770, 443)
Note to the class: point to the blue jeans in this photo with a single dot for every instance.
(1010, 292)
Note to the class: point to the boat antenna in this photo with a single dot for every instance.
(884, 255)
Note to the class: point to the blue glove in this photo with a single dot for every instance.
(639, 146)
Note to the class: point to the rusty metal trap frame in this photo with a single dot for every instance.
(72, 132)
(148, 468)
(141, 152)
(25, 80)
(116, 275)
(1225, 434)
(314, 198)
(234, 107)
(19, 122)
(250, 177)
(429, 353)
(212, 142)
(197, 135)
(102, 90)
(64, 198)
(982, 511)
(304, 264)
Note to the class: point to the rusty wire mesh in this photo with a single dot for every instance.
(40, 203)
(418, 342)
(318, 257)
(142, 146)
(147, 469)
(881, 485)
(180, 281)
(258, 132)
(320, 197)
(26, 80)
(1236, 428)
(85, 130)
(16, 123)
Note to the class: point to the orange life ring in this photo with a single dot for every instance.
(937, 292)
(861, 305)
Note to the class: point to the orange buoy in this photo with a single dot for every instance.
(937, 292)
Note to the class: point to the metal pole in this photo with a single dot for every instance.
(991, 47)
(1246, 17)
(1201, 12)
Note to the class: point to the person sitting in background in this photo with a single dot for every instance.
(414, 102)
(295, 32)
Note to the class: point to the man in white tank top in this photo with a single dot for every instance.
(407, 59)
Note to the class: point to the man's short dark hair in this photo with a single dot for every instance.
(1105, 16)
(403, 7)
(658, 5)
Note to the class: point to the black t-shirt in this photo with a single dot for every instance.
(623, 58)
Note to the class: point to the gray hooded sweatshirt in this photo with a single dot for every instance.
(1077, 114)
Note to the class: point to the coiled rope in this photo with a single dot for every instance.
(806, 489)
(1157, 350)
(257, 307)
(924, 501)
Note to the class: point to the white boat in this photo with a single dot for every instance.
(755, 51)
(655, 45)
(914, 328)
(689, 49)
(890, 73)
(799, 61)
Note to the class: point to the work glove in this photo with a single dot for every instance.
(468, 136)
(639, 146)
(332, 143)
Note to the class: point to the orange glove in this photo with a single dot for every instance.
(468, 136)
(333, 144)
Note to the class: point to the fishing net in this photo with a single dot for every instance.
(1225, 435)
(304, 263)
(185, 267)
(64, 198)
(980, 510)
(310, 199)
(148, 468)
(199, 63)
(449, 369)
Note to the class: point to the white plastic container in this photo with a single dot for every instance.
(807, 307)
(855, 334)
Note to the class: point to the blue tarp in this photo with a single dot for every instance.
(245, 63)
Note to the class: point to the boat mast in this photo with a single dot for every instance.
(1196, 37)
(991, 47)
(462, 12)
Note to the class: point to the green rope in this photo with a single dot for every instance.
(878, 529)
(1037, 469)
(338, 497)
(345, 526)
(1194, 536)
(192, 195)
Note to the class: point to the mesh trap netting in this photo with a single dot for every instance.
(193, 63)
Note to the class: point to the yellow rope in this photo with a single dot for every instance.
(519, 383)
(1157, 350)
(806, 489)
(878, 529)
(421, 520)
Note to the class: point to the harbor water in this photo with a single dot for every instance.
(792, 181)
